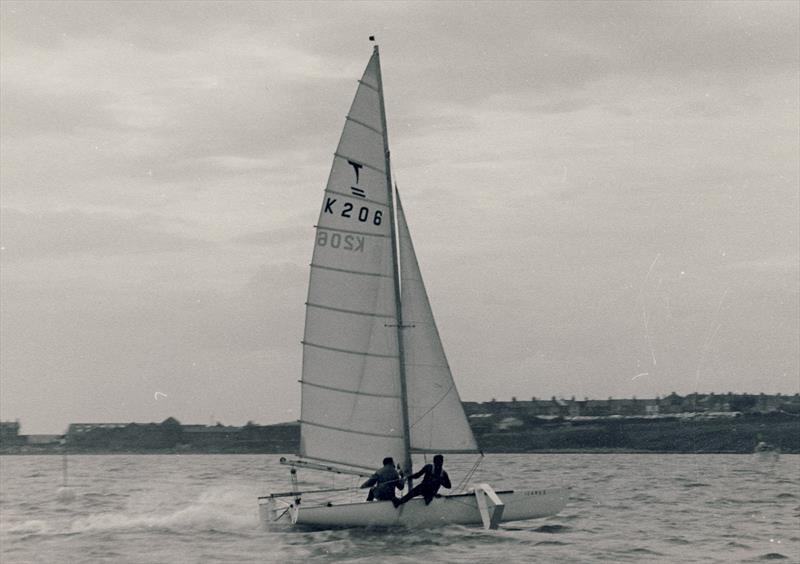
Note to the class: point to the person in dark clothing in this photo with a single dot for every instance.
(383, 482)
(435, 476)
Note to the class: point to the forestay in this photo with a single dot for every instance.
(436, 416)
(351, 407)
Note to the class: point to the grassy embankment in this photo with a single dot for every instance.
(738, 435)
(735, 435)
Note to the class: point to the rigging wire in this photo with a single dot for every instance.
(468, 476)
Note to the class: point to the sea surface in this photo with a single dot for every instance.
(202, 508)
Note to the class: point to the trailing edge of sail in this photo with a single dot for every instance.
(351, 411)
(436, 417)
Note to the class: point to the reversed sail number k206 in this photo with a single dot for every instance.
(347, 242)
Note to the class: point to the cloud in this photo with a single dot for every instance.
(162, 166)
(255, 317)
(775, 264)
(218, 340)
(275, 237)
(28, 112)
(58, 234)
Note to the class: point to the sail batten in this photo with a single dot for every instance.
(345, 351)
(361, 123)
(343, 270)
(351, 431)
(357, 198)
(350, 231)
(343, 391)
(351, 312)
(368, 85)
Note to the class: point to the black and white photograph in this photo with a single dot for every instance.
(399, 281)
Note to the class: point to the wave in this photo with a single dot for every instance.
(644, 551)
(33, 526)
(167, 511)
(552, 529)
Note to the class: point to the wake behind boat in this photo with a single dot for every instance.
(376, 382)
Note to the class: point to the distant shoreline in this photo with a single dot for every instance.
(611, 436)
(180, 453)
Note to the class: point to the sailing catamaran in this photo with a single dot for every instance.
(375, 380)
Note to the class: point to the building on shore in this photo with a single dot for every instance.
(9, 433)
(504, 417)
(508, 415)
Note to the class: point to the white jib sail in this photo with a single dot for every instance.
(351, 408)
(436, 417)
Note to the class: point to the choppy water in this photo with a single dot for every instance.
(624, 508)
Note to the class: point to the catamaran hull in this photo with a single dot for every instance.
(459, 509)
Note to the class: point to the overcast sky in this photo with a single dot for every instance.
(603, 197)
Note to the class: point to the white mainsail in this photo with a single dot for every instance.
(351, 410)
(436, 416)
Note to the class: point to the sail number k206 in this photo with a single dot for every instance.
(362, 214)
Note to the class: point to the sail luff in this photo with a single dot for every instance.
(407, 464)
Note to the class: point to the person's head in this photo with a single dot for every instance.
(438, 460)
(388, 461)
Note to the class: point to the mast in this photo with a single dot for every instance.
(407, 469)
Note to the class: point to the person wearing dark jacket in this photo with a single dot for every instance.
(435, 476)
(383, 482)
